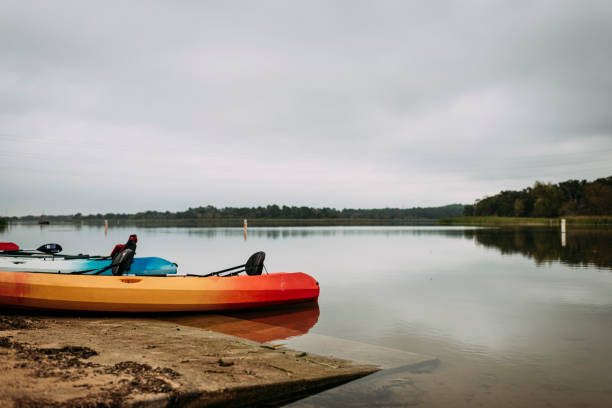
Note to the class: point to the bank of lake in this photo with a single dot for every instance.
(526, 221)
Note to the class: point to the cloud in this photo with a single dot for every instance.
(344, 104)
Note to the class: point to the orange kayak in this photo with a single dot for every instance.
(152, 293)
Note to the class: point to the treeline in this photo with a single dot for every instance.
(571, 197)
(267, 212)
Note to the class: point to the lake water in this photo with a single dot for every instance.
(516, 316)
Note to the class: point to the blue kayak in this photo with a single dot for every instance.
(146, 266)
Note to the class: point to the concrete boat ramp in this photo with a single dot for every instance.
(392, 386)
(51, 361)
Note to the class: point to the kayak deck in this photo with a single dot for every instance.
(153, 294)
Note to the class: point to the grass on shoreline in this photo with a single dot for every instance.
(502, 221)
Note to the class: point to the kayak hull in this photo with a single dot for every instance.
(153, 294)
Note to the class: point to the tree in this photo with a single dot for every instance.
(519, 207)
(598, 199)
(547, 202)
(468, 210)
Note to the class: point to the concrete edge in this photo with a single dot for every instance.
(273, 394)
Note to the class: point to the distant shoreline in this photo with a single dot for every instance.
(527, 221)
(273, 214)
(238, 222)
(331, 222)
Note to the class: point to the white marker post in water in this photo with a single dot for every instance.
(563, 241)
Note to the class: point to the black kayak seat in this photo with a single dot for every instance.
(254, 265)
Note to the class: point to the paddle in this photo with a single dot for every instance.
(50, 248)
(45, 249)
(9, 246)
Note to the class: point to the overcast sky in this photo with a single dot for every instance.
(128, 106)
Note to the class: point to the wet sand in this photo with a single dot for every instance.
(49, 361)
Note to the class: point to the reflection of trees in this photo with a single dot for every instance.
(307, 232)
(583, 247)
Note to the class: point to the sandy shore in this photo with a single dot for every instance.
(97, 361)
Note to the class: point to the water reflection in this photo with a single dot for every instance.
(583, 247)
(309, 232)
(259, 325)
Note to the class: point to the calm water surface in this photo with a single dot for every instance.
(515, 317)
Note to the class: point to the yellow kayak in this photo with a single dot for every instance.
(153, 293)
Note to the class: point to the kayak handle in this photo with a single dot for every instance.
(130, 280)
